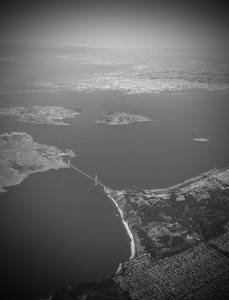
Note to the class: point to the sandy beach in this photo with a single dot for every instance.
(132, 244)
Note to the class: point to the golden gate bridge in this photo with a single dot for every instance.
(94, 178)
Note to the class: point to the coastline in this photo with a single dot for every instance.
(188, 181)
(24, 176)
(132, 244)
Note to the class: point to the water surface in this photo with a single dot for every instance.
(57, 228)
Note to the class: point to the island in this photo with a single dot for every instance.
(179, 243)
(41, 114)
(121, 118)
(21, 156)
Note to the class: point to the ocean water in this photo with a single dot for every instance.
(56, 227)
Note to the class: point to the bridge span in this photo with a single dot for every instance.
(94, 179)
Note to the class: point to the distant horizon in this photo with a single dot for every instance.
(116, 25)
(214, 52)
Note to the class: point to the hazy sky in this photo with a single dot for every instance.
(140, 24)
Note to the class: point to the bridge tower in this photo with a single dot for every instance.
(69, 161)
(96, 179)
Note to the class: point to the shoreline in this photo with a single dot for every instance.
(188, 181)
(23, 177)
(132, 243)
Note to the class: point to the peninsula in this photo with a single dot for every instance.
(21, 156)
(179, 243)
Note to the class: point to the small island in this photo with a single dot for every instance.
(21, 156)
(41, 114)
(121, 118)
(201, 140)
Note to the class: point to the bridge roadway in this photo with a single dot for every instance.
(86, 175)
